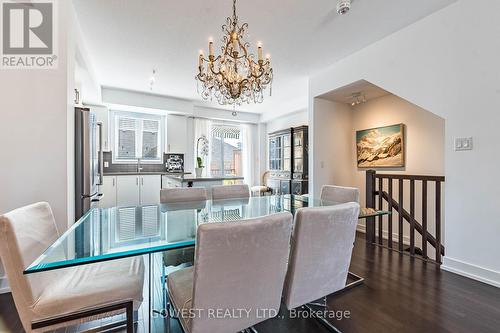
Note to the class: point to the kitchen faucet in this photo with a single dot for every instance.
(139, 168)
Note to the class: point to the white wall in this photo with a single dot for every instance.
(37, 131)
(332, 141)
(424, 136)
(293, 119)
(336, 138)
(446, 63)
(424, 154)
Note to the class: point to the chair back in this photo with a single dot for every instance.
(224, 192)
(25, 233)
(240, 265)
(339, 194)
(183, 194)
(321, 250)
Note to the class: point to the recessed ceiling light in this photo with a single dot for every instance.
(343, 7)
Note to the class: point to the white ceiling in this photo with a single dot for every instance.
(126, 39)
(345, 94)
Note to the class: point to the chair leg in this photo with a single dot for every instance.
(357, 281)
(322, 320)
(130, 318)
(129, 322)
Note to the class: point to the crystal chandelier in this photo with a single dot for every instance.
(235, 76)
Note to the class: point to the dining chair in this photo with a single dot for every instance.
(238, 265)
(66, 297)
(339, 194)
(224, 192)
(261, 190)
(320, 254)
(183, 194)
(182, 198)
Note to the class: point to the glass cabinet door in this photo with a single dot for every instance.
(298, 138)
(286, 140)
(298, 165)
(298, 152)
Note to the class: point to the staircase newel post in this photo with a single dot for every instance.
(370, 203)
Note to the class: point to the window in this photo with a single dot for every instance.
(226, 151)
(137, 136)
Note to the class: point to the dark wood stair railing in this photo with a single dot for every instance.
(375, 190)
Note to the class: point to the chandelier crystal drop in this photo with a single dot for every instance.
(235, 76)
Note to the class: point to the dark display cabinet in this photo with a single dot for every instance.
(288, 161)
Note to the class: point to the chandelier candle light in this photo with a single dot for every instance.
(234, 77)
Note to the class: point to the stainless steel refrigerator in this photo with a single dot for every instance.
(88, 161)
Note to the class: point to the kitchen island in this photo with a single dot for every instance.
(193, 181)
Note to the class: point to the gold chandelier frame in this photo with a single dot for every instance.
(235, 76)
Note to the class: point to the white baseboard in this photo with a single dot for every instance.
(385, 234)
(471, 271)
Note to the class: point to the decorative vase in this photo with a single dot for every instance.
(198, 172)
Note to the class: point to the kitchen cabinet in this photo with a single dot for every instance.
(108, 189)
(176, 134)
(128, 191)
(168, 182)
(150, 189)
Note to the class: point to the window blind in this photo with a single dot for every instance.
(136, 137)
(226, 132)
(127, 137)
(150, 132)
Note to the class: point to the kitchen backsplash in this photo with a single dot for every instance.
(123, 167)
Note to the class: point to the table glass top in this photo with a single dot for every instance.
(118, 232)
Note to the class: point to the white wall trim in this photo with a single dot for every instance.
(455, 266)
(385, 234)
(471, 271)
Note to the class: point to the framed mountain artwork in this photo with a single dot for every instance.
(381, 147)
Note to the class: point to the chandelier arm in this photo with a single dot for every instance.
(215, 72)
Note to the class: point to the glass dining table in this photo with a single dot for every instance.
(104, 234)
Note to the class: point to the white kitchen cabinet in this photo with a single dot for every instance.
(150, 189)
(108, 189)
(176, 134)
(168, 182)
(102, 116)
(127, 191)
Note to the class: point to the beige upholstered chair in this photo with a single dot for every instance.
(92, 291)
(238, 265)
(183, 194)
(321, 249)
(339, 194)
(260, 190)
(185, 197)
(224, 192)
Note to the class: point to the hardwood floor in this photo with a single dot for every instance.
(400, 294)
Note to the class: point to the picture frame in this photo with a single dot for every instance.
(381, 147)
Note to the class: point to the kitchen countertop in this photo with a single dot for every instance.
(146, 173)
(191, 178)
